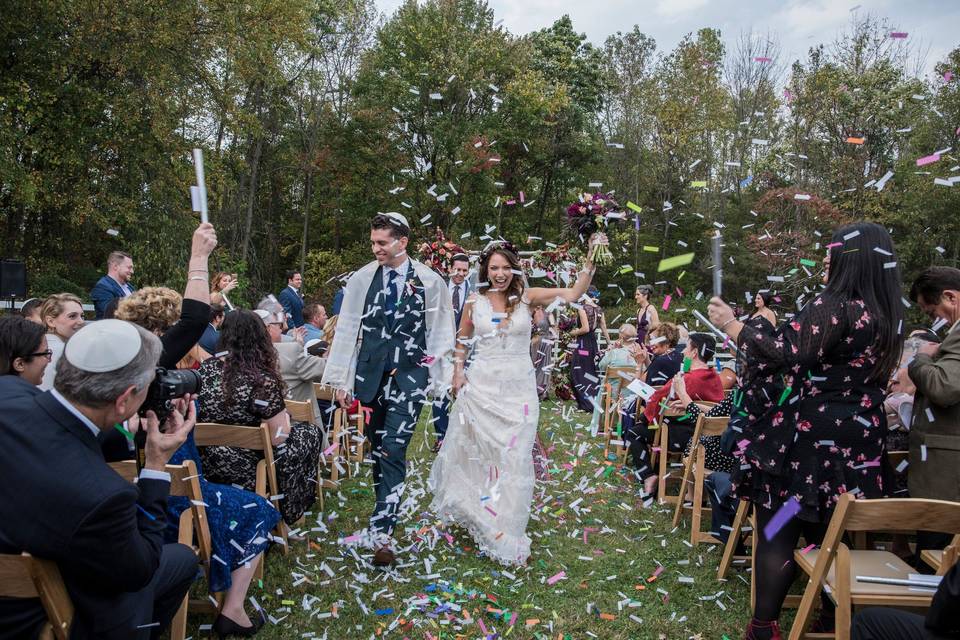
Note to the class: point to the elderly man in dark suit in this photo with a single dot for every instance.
(116, 284)
(292, 299)
(935, 429)
(59, 499)
(459, 288)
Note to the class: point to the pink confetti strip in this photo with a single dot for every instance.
(762, 59)
(900, 35)
(492, 512)
(808, 549)
(834, 244)
(666, 301)
(925, 160)
(554, 579)
(658, 571)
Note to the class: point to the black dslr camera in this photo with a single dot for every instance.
(169, 385)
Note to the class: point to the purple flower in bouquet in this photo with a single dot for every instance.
(587, 216)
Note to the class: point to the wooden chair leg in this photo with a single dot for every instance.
(753, 562)
(178, 627)
(841, 593)
(687, 469)
(730, 548)
(697, 511)
(664, 459)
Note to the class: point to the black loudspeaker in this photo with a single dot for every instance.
(13, 279)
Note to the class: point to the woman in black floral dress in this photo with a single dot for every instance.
(823, 436)
(244, 387)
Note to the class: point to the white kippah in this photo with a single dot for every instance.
(105, 345)
(270, 318)
(396, 217)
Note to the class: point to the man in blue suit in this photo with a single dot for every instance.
(459, 290)
(392, 350)
(292, 300)
(116, 284)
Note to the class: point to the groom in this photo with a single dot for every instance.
(392, 349)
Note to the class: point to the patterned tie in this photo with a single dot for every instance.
(456, 298)
(393, 296)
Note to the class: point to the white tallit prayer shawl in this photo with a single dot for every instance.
(340, 371)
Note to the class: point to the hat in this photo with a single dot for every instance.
(270, 318)
(397, 218)
(106, 345)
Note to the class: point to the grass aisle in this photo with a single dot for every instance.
(596, 551)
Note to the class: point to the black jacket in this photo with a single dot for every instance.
(60, 501)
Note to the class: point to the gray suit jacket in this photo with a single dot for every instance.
(299, 370)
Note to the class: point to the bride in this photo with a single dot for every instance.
(483, 476)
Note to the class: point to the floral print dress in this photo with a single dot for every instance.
(824, 435)
(252, 402)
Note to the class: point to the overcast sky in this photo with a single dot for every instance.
(798, 24)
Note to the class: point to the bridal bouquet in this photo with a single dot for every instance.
(590, 215)
(438, 255)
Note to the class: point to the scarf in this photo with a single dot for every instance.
(340, 371)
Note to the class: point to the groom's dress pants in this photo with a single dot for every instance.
(390, 429)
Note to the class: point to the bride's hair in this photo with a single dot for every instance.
(515, 291)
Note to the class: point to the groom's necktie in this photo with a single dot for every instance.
(456, 298)
(393, 293)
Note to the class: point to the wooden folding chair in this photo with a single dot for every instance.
(193, 531)
(695, 466)
(729, 557)
(671, 459)
(940, 560)
(25, 576)
(207, 434)
(327, 394)
(836, 567)
(614, 381)
(301, 410)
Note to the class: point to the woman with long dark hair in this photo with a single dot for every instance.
(244, 387)
(822, 436)
(483, 477)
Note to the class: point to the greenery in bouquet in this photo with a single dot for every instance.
(590, 215)
(438, 255)
(553, 262)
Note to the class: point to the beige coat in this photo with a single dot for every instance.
(299, 370)
(938, 396)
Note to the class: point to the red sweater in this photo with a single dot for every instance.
(702, 384)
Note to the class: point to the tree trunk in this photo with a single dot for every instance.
(251, 198)
(307, 197)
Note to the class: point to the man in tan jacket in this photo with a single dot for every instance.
(934, 470)
(298, 369)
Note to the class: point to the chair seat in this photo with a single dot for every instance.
(881, 564)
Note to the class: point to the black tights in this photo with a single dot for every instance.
(774, 568)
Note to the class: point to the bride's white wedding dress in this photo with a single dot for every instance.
(483, 477)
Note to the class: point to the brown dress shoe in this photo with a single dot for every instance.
(383, 557)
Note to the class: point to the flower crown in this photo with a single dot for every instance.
(505, 245)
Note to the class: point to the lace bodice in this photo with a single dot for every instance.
(497, 335)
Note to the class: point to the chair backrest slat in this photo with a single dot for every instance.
(301, 411)
(714, 426)
(322, 392)
(903, 513)
(208, 433)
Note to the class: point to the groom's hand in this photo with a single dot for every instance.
(344, 399)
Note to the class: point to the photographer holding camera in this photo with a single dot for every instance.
(59, 500)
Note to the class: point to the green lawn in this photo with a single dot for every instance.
(441, 590)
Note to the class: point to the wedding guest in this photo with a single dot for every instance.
(212, 333)
(314, 317)
(593, 298)
(62, 314)
(935, 428)
(583, 362)
(701, 382)
(622, 353)
(762, 308)
(459, 288)
(809, 445)
(116, 284)
(220, 286)
(244, 387)
(298, 368)
(542, 341)
(647, 316)
(31, 310)
(292, 299)
(23, 349)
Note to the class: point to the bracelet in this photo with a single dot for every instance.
(724, 325)
(198, 271)
(200, 278)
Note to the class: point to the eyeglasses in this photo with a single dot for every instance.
(48, 354)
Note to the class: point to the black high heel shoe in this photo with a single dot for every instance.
(224, 627)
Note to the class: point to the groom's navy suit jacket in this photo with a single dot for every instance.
(396, 344)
